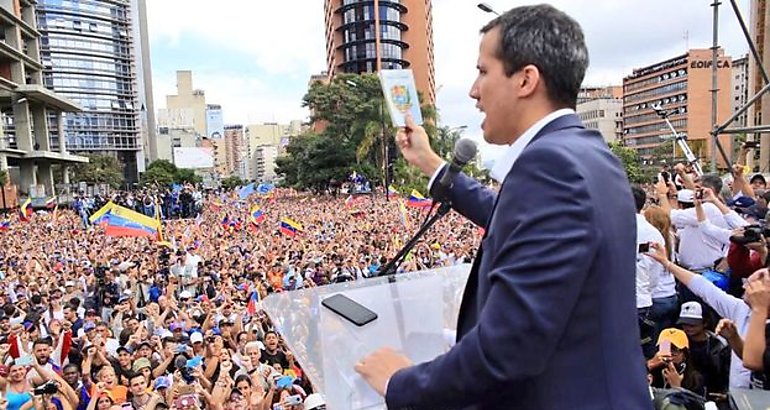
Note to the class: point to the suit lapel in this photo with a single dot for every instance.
(467, 317)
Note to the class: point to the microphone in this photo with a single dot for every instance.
(465, 151)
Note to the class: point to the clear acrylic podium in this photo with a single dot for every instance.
(417, 315)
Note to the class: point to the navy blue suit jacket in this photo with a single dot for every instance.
(548, 318)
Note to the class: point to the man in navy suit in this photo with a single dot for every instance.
(548, 318)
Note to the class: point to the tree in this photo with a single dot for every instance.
(3, 178)
(631, 162)
(100, 169)
(161, 172)
(232, 182)
(187, 175)
(352, 107)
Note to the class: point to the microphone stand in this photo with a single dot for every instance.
(390, 268)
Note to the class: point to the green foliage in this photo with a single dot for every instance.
(3, 178)
(631, 162)
(162, 172)
(184, 175)
(357, 126)
(232, 182)
(101, 169)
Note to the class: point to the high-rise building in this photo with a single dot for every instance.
(740, 89)
(363, 36)
(264, 163)
(188, 98)
(681, 86)
(32, 116)
(760, 111)
(601, 108)
(234, 144)
(91, 55)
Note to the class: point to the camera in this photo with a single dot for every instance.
(49, 387)
(751, 233)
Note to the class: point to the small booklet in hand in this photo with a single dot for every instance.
(401, 96)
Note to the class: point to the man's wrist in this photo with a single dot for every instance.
(431, 164)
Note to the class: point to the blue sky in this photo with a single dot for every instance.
(255, 57)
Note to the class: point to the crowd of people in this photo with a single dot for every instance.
(89, 321)
(702, 287)
(178, 201)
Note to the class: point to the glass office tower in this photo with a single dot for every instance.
(87, 50)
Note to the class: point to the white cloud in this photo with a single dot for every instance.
(287, 37)
(620, 35)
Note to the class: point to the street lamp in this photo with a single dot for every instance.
(487, 8)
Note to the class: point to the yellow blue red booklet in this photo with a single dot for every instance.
(401, 96)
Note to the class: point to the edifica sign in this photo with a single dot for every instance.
(707, 64)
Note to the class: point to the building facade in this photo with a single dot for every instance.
(234, 145)
(264, 163)
(32, 115)
(601, 108)
(681, 86)
(759, 111)
(89, 54)
(364, 36)
(740, 89)
(188, 98)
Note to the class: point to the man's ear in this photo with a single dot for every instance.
(528, 80)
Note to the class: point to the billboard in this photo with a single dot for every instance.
(215, 124)
(194, 157)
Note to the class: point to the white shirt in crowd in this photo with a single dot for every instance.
(647, 269)
(666, 284)
(696, 250)
(728, 307)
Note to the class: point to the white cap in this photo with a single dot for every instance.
(314, 401)
(196, 337)
(166, 334)
(185, 295)
(686, 196)
(69, 283)
(691, 314)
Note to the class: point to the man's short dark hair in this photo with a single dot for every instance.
(550, 40)
(712, 181)
(640, 197)
(758, 177)
(134, 375)
(43, 341)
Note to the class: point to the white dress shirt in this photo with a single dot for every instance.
(696, 250)
(648, 271)
(504, 164)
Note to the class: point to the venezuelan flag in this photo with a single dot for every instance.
(99, 215)
(392, 190)
(50, 203)
(256, 215)
(120, 226)
(251, 307)
(290, 227)
(5, 225)
(25, 211)
(402, 213)
(120, 221)
(416, 200)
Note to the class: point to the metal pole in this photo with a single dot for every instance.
(747, 34)
(714, 85)
(385, 151)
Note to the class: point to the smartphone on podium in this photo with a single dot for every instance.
(349, 309)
